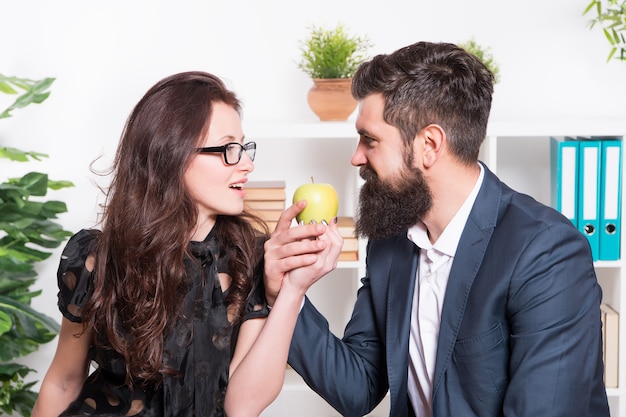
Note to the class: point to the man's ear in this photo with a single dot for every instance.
(434, 139)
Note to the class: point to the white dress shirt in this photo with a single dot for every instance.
(435, 263)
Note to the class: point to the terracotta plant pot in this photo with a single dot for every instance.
(330, 98)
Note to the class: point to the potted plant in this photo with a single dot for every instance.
(484, 55)
(611, 16)
(28, 231)
(330, 56)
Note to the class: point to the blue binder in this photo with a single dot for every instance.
(589, 193)
(564, 176)
(610, 199)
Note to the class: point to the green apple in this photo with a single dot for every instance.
(322, 202)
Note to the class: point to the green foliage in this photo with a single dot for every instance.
(15, 395)
(610, 15)
(484, 55)
(34, 92)
(332, 53)
(28, 231)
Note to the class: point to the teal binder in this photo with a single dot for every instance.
(564, 176)
(610, 199)
(589, 193)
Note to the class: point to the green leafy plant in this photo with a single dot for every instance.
(610, 15)
(484, 55)
(332, 53)
(27, 233)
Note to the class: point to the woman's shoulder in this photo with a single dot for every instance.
(83, 238)
(79, 247)
(75, 272)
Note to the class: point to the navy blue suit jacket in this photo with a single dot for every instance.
(520, 329)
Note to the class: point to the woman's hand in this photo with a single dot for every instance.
(299, 255)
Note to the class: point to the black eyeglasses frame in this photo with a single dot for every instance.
(249, 147)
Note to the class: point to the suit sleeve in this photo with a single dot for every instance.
(349, 373)
(556, 352)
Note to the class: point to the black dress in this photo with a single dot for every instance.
(200, 345)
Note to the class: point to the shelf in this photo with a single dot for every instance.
(293, 381)
(297, 399)
(501, 128)
(348, 264)
(608, 264)
(519, 153)
(516, 150)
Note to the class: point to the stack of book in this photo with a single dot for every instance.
(265, 199)
(350, 250)
(610, 345)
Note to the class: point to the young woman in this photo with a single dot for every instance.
(166, 301)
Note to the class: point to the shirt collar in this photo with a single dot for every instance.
(449, 239)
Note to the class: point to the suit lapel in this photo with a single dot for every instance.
(404, 255)
(467, 261)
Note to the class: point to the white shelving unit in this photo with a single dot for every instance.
(517, 151)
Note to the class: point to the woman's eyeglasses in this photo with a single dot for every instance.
(232, 151)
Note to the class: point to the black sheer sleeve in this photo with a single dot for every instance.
(257, 304)
(73, 277)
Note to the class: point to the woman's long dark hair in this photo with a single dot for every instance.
(147, 222)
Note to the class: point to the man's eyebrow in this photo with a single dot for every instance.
(365, 132)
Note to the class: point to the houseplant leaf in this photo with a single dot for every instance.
(28, 231)
(332, 52)
(29, 328)
(5, 322)
(34, 92)
(18, 155)
(610, 15)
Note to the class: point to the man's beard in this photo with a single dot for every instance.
(386, 208)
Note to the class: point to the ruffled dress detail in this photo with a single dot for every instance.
(200, 344)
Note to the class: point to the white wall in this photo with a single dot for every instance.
(105, 55)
